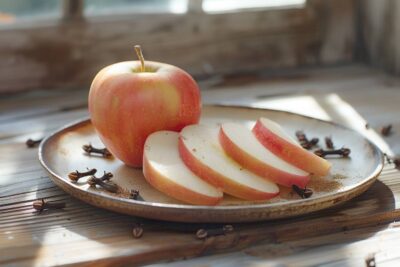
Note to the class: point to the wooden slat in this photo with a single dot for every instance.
(351, 248)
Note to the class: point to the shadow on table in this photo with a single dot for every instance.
(363, 211)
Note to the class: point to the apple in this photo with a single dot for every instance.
(201, 152)
(274, 138)
(242, 145)
(164, 169)
(130, 100)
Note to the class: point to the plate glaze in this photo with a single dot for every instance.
(61, 153)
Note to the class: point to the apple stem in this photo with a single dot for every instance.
(140, 56)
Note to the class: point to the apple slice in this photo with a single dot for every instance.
(273, 137)
(242, 145)
(164, 169)
(200, 150)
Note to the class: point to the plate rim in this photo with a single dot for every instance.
(326, 197)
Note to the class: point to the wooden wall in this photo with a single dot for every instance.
(380, 33)
(68, 53)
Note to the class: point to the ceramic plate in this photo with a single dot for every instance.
(61, 153)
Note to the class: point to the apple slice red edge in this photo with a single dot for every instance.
(165, 171)
(260, 167)
(198, 165)
(272, 136)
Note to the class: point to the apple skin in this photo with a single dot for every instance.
(291, 153)
(219, 180)
(126, 105)
(258, 167)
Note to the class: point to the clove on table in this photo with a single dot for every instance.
(204, 233)
(41, 205)
(30, 143)
(396, 162)
(137, 231)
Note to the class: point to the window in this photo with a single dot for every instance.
(218, 6)
(104, 7)
(12, 11)
(17, 10)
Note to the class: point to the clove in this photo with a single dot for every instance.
(41, 205)
(301, 136)
(108, 186)
(344, 152)
(370, 260)
(76, 175)
(303, 193)
(102, 151)
(388, 158)
(30, 143)
(304, 142)
(134, 194)
(386, 130)
(396, 162)
(314, 141)
(137, 231)
(204, 233)
(106, 176)
(329, 142)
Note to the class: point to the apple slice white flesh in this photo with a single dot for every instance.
(242, 145)
(164, 169)
(200, 150)
(274, 138)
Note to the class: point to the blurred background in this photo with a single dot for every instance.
(51, 44)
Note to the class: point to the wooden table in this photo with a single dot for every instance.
(359, 232)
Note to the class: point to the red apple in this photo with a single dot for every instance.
(130, 100)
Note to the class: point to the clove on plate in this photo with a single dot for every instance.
(108, 186)
(41, 205)
(344, 152)
(329, 142)
(76, 175)
(134, 194)
(89, 149)
(386, 130)
(304, 142)
(303, 193)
